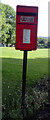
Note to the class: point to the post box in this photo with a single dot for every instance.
(26, 27)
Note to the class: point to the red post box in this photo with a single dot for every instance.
(26, 27)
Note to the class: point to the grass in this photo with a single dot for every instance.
(12, 67)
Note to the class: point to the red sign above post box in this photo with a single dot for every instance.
(26, 27)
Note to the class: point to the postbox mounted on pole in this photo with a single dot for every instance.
(26, 27)
(26, 38)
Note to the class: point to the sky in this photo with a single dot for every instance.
(42, 12)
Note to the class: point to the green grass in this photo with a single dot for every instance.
(12, 67)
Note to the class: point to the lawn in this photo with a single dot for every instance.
(12, 67)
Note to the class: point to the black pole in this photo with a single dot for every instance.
(24, 78)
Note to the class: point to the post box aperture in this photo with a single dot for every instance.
(26, 27)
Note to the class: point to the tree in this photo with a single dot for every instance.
(10, 21)
(42, 42)
(2, 25)
(8, 16)
(8, 34)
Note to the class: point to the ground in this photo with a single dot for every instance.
(36, 97)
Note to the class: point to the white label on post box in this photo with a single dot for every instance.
(26, 35)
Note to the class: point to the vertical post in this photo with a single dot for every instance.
(24, 78)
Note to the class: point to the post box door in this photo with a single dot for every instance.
(26, 37)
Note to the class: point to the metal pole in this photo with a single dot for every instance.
(24, 78)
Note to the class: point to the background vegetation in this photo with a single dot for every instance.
(7, 29)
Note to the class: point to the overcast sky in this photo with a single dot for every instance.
(42, 12)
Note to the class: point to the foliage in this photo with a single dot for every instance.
(7, 23)
(42, 42)
(2, 25)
